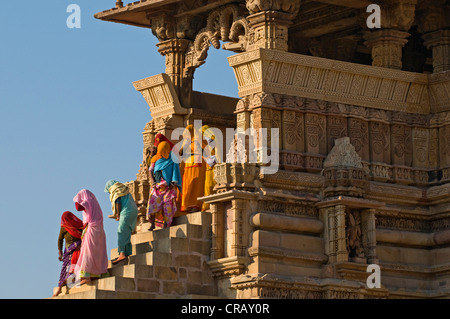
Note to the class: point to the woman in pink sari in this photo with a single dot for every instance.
(93, 260)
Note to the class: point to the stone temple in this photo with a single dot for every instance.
(364, 151)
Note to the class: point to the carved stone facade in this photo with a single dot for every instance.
(364, 146)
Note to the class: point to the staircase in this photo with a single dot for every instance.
(165, 263)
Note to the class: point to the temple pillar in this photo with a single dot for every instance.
(369, 235)
(339, 234)
(386, 43)
(269, 21)
(433, 22)
(174, 51)
(386, 46)
(439, 43)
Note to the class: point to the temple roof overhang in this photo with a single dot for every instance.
(137, 13)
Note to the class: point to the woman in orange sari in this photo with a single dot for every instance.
(194, 171)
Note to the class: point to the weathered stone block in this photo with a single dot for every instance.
(173, 287)
(165, 273)
(148, 285)
(188, 261)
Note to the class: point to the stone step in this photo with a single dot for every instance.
(104, 294)
(153, 258)
(179, 231)
(198, 218)
(88, 294)
(132, 271)
(113, 283)
(143, 237)
(139, 248)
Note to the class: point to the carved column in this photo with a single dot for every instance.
(439, 43)
(433, 22)
(269, 21)
(242, 115)
(334, 218)
(175, 36)
(339, 220)
(386, 46)
(397, 17)
(217, 238)
(174, 51)
(148, 136)
(369, 235)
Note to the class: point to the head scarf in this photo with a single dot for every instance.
(92, 213)
(159, 138)
(72, 224)
(108, 185)
(163, 152)
(115, 190)
(207, 132)
(170, 171)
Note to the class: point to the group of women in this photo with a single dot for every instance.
(177, 187)
(174, 187)
(85, 256)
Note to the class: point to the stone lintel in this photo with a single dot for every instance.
(351, 202)
(229, 195)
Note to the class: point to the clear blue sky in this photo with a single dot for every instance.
(69, 119)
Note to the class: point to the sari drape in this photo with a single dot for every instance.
(162, 199)
(193, 174)
(115, 190)
(128, 214)
(70, 258)
(93, 259)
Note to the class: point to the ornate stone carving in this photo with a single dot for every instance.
(332, 81)
(386, 46)
(159, 93)
(343, 171)
(269, 21)
(234, 176)
(343, 154)
(354, 235)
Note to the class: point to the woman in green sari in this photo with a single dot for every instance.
(125, 211)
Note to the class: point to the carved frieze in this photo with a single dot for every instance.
(329, 80)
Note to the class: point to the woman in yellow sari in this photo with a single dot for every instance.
(194, 172)
(210, 159)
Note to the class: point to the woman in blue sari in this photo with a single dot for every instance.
(165, 181)
(125, 211)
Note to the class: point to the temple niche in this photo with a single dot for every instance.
(363, 117)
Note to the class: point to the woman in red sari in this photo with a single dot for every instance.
(70, 232)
